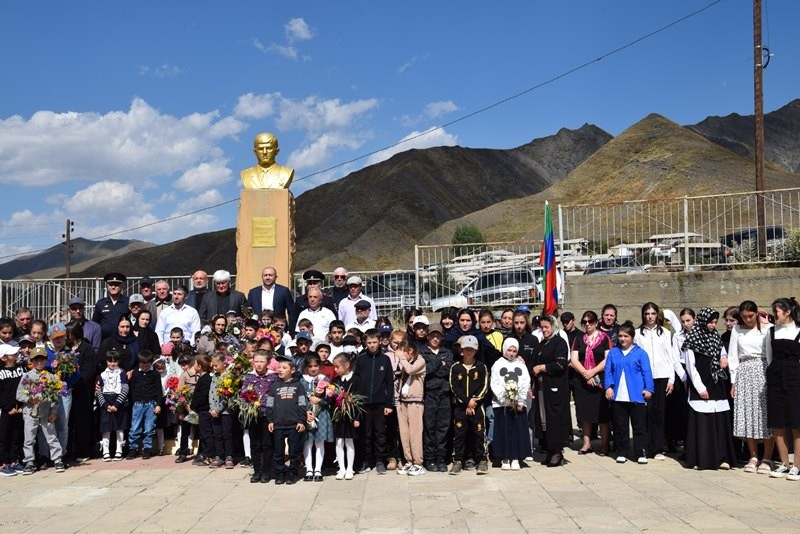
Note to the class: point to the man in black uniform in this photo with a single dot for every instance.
(313, 279)
(114, 305)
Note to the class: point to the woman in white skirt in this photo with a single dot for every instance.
(747, 361)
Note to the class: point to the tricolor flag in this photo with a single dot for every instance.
(547, 259)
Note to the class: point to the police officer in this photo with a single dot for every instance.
(313, 279)
(114, 305)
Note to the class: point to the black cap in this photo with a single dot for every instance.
(362, 304)
(146, 281)
(283, 358)
(312, 275)
(115, 277)
(349, 339)
(567, 317)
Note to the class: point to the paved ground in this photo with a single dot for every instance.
(590, 493)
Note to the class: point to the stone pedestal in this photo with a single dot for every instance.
(264, 235)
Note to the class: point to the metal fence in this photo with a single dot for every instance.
(685, 233)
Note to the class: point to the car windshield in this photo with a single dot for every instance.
(506, 278)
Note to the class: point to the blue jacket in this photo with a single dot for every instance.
(638, 376)
(282, 301)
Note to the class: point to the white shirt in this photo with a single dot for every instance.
(347, 308)
(267, 298)
(782, 331)
(746, 345)
(321, 319)
(366, 325)
(184, 317)
(700, 405)
(660, 350)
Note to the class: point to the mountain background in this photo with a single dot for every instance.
(372, 218)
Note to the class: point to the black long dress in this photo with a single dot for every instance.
(591, 405)
(81, 431)
(344, 427)
(552, 394)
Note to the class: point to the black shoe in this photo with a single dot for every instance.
(441, 467)
(246, 462)
(431, 467)
(181, 458)
(256, 478)
(317, 477)
(146, 454)
(291, 479)
(280, 479)
(265, 478)
(133, 453)
(469, 465)
(309, 477)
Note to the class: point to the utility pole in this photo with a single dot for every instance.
(68, 241)
(758, 58)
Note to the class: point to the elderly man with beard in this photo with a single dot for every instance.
(199, 289)
(223, 299)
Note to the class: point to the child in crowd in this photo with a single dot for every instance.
(319, 425)
(200, 405)
(112, 399)
(7, 331)
(249, 348)
(358, 337)
(390, 343)
(305, 325)
(266, 318)
(38, 414)
(377, 386)
(629, 383)
(249, 330)
(344, 430)
(279, 325)
(438, 361)
(187, 379)
(261, 443)
(26, 345)
(162, 419)
(411, 406)
(469, 382)
(335, 337)
(304, 340)
(11, 424)
(287, 407)
(179, 344)
(221, 418)
(510, 384)
(323, 350)
(147, 397)
(486, 324)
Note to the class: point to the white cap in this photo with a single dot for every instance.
(421, 319)
(468, 342)
(355, 280)
(6, 349)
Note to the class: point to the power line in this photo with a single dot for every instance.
(436, 128)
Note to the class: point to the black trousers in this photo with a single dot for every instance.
(436, 420)
(82, 439)
(11, 431)
(373, 434)
(186, 431)
(469, 434)
(206, 435)
(635, 414)
(222, 429)
(656, 417)
(285, 437)
(261, 447)
(393, 435)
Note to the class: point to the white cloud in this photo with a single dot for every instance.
(316, 115)
(105, 198)
(429, 138)
(252, 106)
(432, 110)
(319, 151)
(298, 30)
(288, 52)
(410, 63)
(161, 71)
(205, 175)
(124, 146)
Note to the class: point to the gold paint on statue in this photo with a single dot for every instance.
(267, 174)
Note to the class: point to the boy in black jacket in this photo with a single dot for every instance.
(469, 382)
(436, 417)
(287, 405)
(376, 383)
(146, 396)
(202, 407)
(11, 426)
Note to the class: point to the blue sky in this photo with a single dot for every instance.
(120, 114)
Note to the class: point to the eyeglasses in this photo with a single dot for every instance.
(339, 276)
(587, 322)
(115, 284)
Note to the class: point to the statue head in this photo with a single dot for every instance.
(265, 146)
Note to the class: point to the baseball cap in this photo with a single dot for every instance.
(304, 336)
(38, 352)
(57, 330)
(26, 339)
(468, 342)
(435, 328)
(136, 298)
(6, 349)
(76, 301)
(421, 319)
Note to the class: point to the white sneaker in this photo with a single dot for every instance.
(793, 474)
(780, 471)
(621, 459)
(340, 475)
(416, 470)
(404, 470)
(660, 457)
(642, 460)
(348, 475)
(506, 465)
(515, 465)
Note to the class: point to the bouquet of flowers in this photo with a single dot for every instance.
(172, 392)
(231, 379)
(269, 333)
(47, 388)
(347, 406)
(249, 405)
(321, 389)
(236, 327)
(511, 393)
(65, 365)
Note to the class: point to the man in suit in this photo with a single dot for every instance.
(270, 296)
(223, 299)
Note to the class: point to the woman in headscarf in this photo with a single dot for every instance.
(124, 342)
(208, 342)
(146, 337)
(81, 421)
(553, 418)
(465, 325)
(709, 438)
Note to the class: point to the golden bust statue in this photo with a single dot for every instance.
(267, 174)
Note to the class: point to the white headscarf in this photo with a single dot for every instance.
(509, 342)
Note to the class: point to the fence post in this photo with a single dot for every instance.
(416, 273)
(560, 291)
(686, 233)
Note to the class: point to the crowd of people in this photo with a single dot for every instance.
(320, 385)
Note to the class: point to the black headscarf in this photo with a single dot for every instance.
(701, 340)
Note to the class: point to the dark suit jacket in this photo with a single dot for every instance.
(282, 301)
(213, 304)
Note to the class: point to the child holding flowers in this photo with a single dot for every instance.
(38, 391)
(112, 398)
(200, 405)
(183, 396)
(320, 426)
(345, 422)
(510, 384)
(221, 419)
(259, 382)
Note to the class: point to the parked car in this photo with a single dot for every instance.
(774, 236)
(497, 288)
(621, 265)
(395, 290)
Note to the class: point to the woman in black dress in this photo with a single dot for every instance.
(81, 419)
(589, 360)
(553, 418)
(124, 342)
(146, 337)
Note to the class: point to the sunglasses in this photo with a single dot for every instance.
(339, 277)
(115, 284)
(587, 322)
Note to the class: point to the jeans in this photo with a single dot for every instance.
(286, 439)
(143, 419)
